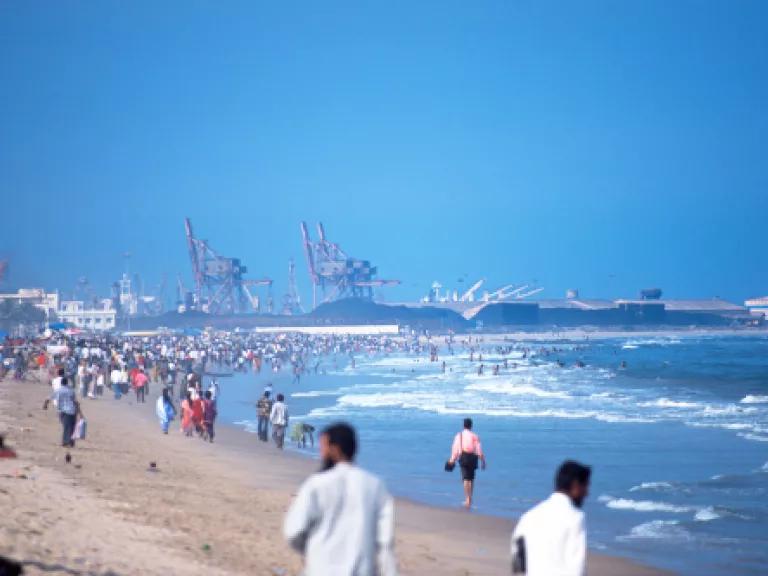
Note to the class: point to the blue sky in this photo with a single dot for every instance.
(605, 146)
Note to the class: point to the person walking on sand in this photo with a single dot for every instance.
(66, 403)
(342, 519)
(551, 537)
(140, 382)
(467, 451)
(187, 425)
(209, 416)
(165, 410)
(263, 411)
(278, 417)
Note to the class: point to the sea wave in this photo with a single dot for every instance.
(438, 403)
(754, 399)
(669, 530)
(728, 409)
(511, 388)
(754, 437)
(706, 514)
(723, 425)
(652, 486)
(667, 403)
(622, 419)
(314, 393)
(637, 342)
(642, 505)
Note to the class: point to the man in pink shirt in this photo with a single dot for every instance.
(467, 450)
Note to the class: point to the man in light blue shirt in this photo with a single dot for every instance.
(65, 401)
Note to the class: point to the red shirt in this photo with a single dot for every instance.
(140, 380)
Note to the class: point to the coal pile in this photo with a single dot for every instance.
(357, 311)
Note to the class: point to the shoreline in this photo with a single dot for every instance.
(597, 333)
(216, 508)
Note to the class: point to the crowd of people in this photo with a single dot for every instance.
(342, 518)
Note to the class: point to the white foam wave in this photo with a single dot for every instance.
(652, 342)
(438, 403)
(754, 437)
(314, 394)
(723, 425)
(706, 514)
(249, 425)
(667, 403)
(622, 418)
(669, 530)
(642, 505)
(729, 409)
(327, 412)
(754, 399)
(652, 486)
(515, 389)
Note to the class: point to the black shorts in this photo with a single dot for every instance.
(468, 473)
(468, 464)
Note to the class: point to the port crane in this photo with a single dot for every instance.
(469, 295)
(219, 285)
(335, 273)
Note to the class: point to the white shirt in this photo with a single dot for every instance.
(555, 538)
(279, 414)
(343, 521)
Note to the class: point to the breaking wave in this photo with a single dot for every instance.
(642, 505)
(754, 399)
(652, 486)
(669, 530)
(667, 403)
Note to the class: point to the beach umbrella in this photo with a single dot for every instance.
(57, 325)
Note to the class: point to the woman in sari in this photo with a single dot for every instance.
(197, 414)
(165, 411)
(187, 425)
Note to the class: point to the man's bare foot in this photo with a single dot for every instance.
(467, 504)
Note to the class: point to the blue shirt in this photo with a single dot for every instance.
(65, 400)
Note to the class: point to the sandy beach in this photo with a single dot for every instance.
(208, 509)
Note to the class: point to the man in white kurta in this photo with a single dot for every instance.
(554, 531)
(342, 519)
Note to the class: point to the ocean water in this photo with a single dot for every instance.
(678, 439)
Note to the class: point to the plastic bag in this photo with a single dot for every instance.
(80, 429)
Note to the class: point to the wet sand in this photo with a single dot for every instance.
(208, 509)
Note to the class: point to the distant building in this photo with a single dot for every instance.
(758, 306)
(48, 302)
(101, 316)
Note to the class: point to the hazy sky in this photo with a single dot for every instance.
(605, 146)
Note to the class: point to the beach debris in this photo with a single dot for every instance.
(68, 458)
(18, 475)
(153, 467)
(206, 547)
(5, 452)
